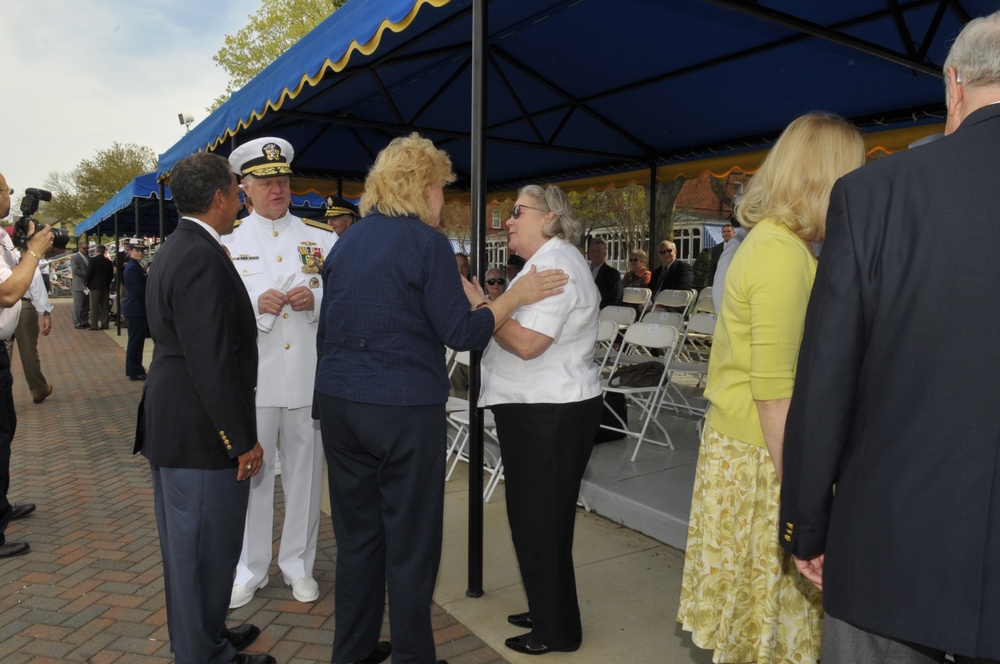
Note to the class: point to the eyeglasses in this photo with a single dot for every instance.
(665, 251)
(496, 282)
(516, 213)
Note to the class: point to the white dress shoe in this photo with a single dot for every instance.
(243, 594)
(305, 589)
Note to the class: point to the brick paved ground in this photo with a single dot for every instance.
(91, 588)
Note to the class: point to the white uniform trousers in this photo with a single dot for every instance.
(301, 455)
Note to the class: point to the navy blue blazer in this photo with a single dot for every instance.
(392, 300)
(199, 395)
(134, 279)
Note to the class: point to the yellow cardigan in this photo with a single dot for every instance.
(759, 330)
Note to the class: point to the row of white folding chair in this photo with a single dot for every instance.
(706, 301)
(648, 336)
(624, 316)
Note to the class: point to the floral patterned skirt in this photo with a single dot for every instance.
(741, 596)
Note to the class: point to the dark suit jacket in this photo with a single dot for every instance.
(679, 276)
(199, 396)
(609, 283)
(895, 398)
(713, 263)
(100, 273)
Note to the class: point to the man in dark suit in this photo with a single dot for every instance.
(607, 278)
(727, 234)
(891, 487)
(198, 414)
(673, 274)
(100, 274)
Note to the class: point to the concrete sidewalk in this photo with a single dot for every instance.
(91, 588)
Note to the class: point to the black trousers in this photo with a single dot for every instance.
(387, 495)
(8, 424)
(137, 330)
(545, 450)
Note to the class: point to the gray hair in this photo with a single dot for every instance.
(975, 55)
(552, 199)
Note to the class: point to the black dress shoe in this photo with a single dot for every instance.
(242, 636)
(527, 645)
(244, 658)
(141, 377)
(381, 653)
(521, 620)
(21, 510)
(11, 549)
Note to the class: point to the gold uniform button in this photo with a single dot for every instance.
(788, 538)
(244, 271)
(284, 315)
(280, 259)
(287, 346)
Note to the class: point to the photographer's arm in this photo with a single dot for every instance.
(16, 285)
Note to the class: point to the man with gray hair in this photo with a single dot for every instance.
(890, 497)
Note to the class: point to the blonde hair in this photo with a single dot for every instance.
(553, 199)
(397, 182)
(793, 184)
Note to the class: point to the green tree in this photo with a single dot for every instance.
(77, 194)
(272, 30)
(624, 210)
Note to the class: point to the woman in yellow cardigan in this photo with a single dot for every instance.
(739, 596)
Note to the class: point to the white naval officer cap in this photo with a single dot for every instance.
(262, 158)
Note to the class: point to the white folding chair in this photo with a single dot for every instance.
(705, 301)
(648, 399)
(607, 332)
(661, 317)
(698, 334)
(492, 461)
(624, 316)
(639, 297)
(455, 359)
(677, 300)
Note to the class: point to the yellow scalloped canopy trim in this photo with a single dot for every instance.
(367, 48)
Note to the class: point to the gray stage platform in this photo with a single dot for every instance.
(653, 494)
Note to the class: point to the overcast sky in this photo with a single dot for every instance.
(81, 75)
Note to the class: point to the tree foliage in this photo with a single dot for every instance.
(624, 210)
(77, 194)
(272, 30)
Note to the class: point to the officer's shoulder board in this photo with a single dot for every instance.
(237, 224)
(318, 224)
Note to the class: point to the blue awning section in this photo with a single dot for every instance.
(713, 236)
(142, 196)
(586, 88)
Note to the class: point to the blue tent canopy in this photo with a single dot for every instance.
(143, 195)
(579, 88)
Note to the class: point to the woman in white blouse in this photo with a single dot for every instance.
(542, 385)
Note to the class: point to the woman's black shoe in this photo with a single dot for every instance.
(381, 653)
(527, 645)
(520, 619)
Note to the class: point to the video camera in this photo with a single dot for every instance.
(29, 206)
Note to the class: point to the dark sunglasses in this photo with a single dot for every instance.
(495, 282)
(665, 251)
(516, 213)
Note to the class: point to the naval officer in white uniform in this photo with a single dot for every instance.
(279, 257)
